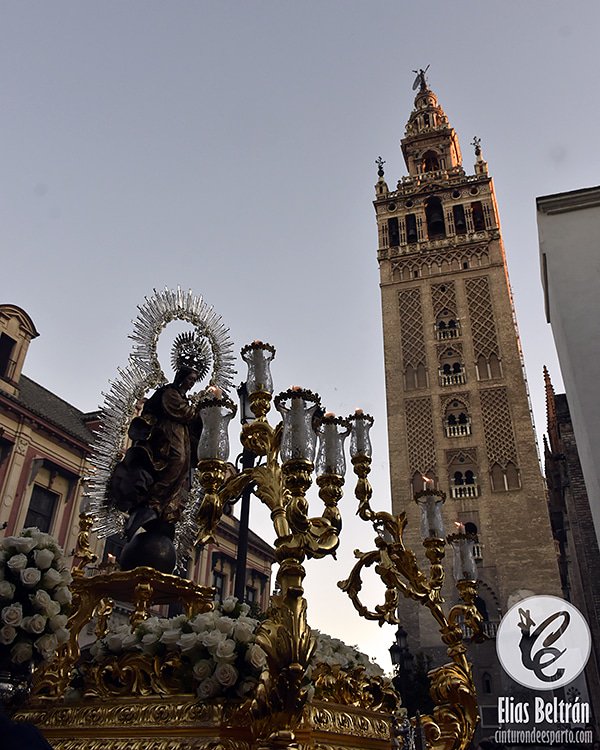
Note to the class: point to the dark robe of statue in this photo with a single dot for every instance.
(152, 480)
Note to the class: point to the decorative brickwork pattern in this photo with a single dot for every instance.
(456, 458)
(411, 328)
(497, 427)
(433, 263)
(443, 298)
(463, 397)
(419, 435)
(451, 345)
(485, 341)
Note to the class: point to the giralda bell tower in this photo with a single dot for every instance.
(457, 402)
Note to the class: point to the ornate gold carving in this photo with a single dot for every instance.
(353, 688)
(83, 554)
(137, 674)
(142, 586)
(455, 716)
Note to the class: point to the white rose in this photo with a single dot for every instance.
(66, 576)
(40, 600)
(58, 621)
(203, 669)
(30, 577)
(208, 688)
(12, 615)
(20, 543)
(242, 632)
(46, 646)
(17, 562)
(211, 639)
(170, 638)
(35, 624)
(244, 609)
(51, 578)
(226, 674)
(114, 641)
(7, 590)
(225, 651)
(7, 634)
(130, 641)
(53, 608)
(205, 621)
(97, 650)
(21, 652)
(150, 643)
(229, 604)
(187, 642)
(43, 558)
(62, 595)
(62, 635)
(255, 656)
(151, 625)
(225, 625)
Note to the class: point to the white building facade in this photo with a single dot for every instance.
(569, 236)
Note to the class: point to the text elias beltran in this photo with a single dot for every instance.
(552, 711)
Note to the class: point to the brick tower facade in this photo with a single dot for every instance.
(457, 402)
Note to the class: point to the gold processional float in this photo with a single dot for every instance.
(134, 700)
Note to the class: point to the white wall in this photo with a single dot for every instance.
(569, 234)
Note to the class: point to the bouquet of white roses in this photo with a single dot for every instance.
(333, 652)
(218, 649)
(34, 597)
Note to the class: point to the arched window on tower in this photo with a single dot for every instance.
(478, 219)
(513, 480)
(460, 223)
(446, 326)
(434, 213)
(457, 422)
(505, 478)
(463, 479)
(495, 367)
(393, 232)
(418, 482)
(452, 371)
(411, 228)
(486, 680)
(431, 161)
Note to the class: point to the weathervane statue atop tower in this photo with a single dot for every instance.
(420, 80)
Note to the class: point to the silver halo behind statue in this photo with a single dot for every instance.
(208, 349)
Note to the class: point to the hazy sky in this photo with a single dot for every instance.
(229, 147)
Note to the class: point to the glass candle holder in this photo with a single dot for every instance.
(297, 408)
(258, 357)
(463, 545)
(360, 442)
(432, 522)
(332, 432)
(215, 412)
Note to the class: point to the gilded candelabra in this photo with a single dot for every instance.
(454, 718)
(287, 458)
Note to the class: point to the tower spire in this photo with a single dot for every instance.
(429, 143)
